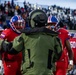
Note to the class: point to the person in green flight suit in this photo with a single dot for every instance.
(41, 46)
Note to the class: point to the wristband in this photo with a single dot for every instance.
(71, 62)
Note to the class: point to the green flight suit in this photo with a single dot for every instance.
(38, 52)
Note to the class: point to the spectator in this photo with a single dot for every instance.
(25, 17)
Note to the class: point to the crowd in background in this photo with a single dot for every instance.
(9, 9)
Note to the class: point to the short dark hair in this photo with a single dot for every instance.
(61, 24)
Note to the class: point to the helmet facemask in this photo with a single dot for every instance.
(52, 22)
(18, 25)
